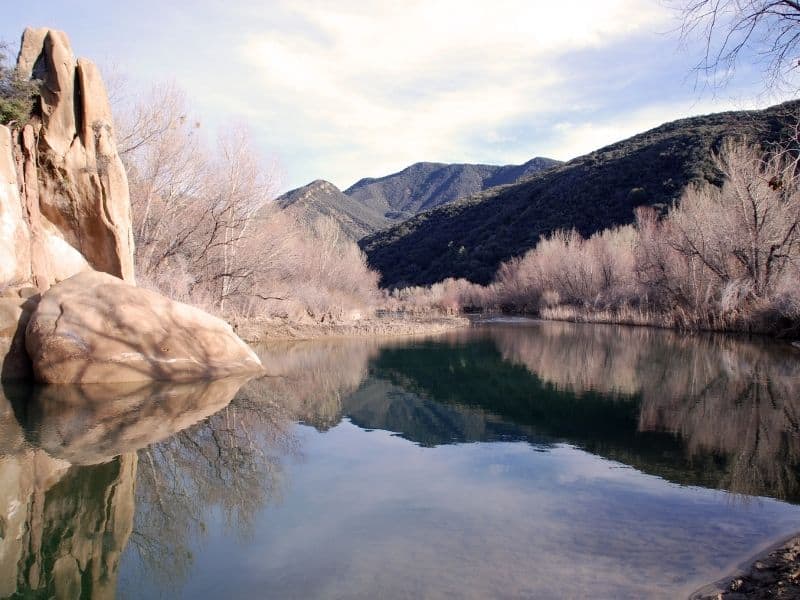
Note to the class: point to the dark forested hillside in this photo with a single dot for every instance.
(425, 185)
(471, 237)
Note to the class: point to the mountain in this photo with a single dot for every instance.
(471, 237)
(323, 199)
(425, 185)
(373, 204)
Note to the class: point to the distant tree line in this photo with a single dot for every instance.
(723, 258)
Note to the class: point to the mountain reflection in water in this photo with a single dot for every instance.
(707, 410)
(92, 474)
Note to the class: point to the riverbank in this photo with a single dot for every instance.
(763, 324)
(772, 574)
(266, 329)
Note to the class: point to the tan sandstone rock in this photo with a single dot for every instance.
(96, 328)
(64, 201)
(14, 314)
(14, 234)
(73, 183)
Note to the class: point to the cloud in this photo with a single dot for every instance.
(366, 88)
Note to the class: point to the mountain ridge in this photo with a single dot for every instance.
(374, 203)
(470, 237)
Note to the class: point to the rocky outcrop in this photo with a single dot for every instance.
(72, 181)
(64, 203)
(95, 327)
(15, 310)
(65, 211)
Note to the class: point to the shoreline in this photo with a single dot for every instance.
(266, 330)
(771, 573)
(646, 320)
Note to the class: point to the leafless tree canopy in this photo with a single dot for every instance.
(722, 258)
(769, 28)
(207, 232)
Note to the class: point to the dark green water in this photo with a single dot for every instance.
(510, 460)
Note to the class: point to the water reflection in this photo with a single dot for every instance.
(705, 410)
(63, 528)
(70, 482)
(230, 465)
(728, 401)
(184, 479)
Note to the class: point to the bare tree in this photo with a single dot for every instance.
(749, 230)
(728, 28)
(207, 231)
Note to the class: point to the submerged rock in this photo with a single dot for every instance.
(95, 328)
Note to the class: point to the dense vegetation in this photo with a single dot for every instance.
(16, 94)
(723, 258)
(472, 237)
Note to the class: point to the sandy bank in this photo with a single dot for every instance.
(263, 329)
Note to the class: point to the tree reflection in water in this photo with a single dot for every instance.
(721, 395)
(229, 463)
(74, 462)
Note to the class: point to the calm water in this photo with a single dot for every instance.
(516, 460)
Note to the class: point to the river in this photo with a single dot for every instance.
(508, 460)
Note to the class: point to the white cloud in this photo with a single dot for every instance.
(367, 88)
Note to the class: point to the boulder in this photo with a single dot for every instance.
(94, 327)
(15, 310)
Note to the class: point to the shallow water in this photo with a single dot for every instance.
(510, 460)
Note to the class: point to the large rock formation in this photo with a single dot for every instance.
(65, 210)
(73, 184)
(64, 203)
(96, 328)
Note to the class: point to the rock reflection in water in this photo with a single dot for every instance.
(90, 424)
(63, 527)
(230, 464)
(68, 471)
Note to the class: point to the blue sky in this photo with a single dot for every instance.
(350, 89)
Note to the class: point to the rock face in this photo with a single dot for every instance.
(96, 328)
(64, 202)
(64, 212)
(14, 314)
(72, 181)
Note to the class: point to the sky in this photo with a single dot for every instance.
(341, 90)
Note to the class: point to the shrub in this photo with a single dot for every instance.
(17, 95)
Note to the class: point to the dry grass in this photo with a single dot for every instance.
(265, 329)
